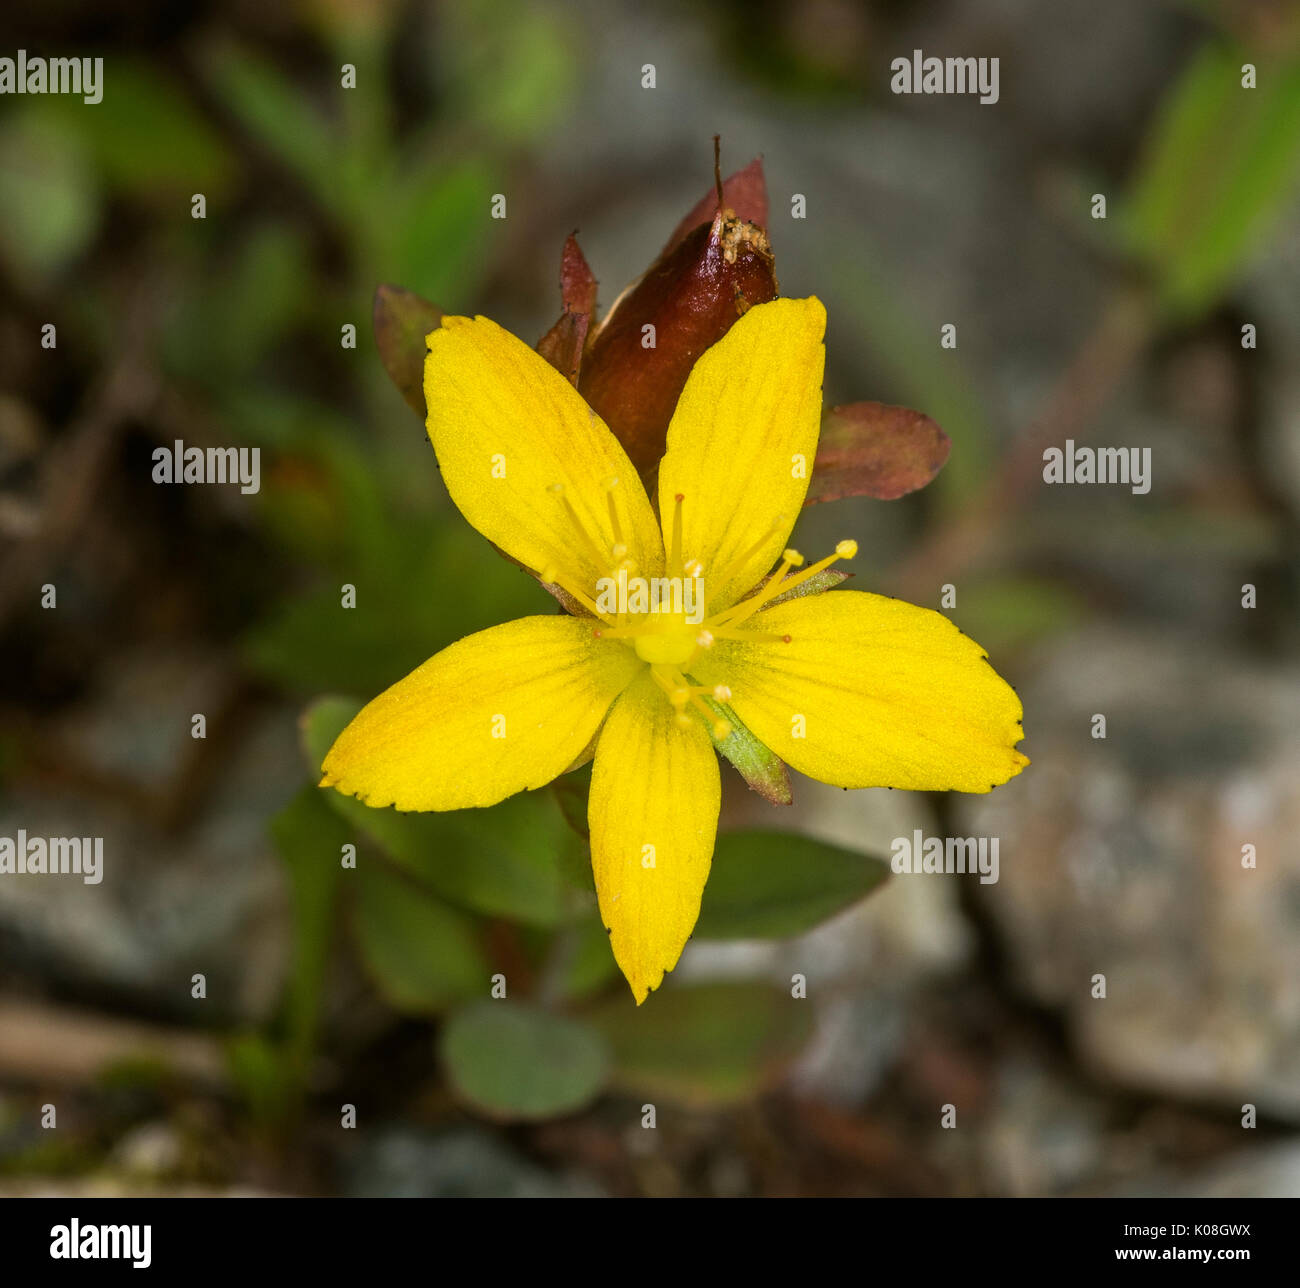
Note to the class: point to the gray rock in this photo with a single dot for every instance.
(1123, 857)
(407, 1162)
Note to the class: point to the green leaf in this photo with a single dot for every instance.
(770, 885)
(588, 962)
(49, 200)
(502, 861)
(184, 153)
(1217, 168)
(756, 763)
(516, 1061)
(513, 65)
(421, 954)
(310, 838)
(704, 1044)
(430, 229)
(572, 791)
(278, 115)
(419, 588)
(259, 1075)
(818, 584)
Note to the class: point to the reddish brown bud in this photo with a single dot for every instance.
(638, 362)
(745, 192)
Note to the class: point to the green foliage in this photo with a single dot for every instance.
(703, 1044)
(310, 838)
(512, 1060)
(421, 954)
(500, 861)
(1218, 164)
(770, 885)
(421, 588)
(185, 154)
(49, 199)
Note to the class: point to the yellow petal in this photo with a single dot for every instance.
(507, 427)
(741, 444)
(499, 712)
(653, 813)
(872, 692)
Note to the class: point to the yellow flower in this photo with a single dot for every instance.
(851, 688)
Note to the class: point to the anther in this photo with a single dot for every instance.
(722, 693)
(846, 549)
(793, 558)
(721, 730)
(704, 639)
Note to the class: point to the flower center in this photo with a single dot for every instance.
(665, 619)
(670, 641)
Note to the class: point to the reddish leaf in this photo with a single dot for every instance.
(563, 344)
(691, 295)
(402, 319)
(872, 449)
(745, 192)
(577, 282)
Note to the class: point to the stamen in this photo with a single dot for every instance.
(598, 556)
(632, 632)
(620, 546)
(552, 576)
(779, 585)
(775, 584)
(753, 637)
(680, 694)
(737, 565)
(675, 553)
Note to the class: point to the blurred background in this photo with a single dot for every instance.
(324, 988)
